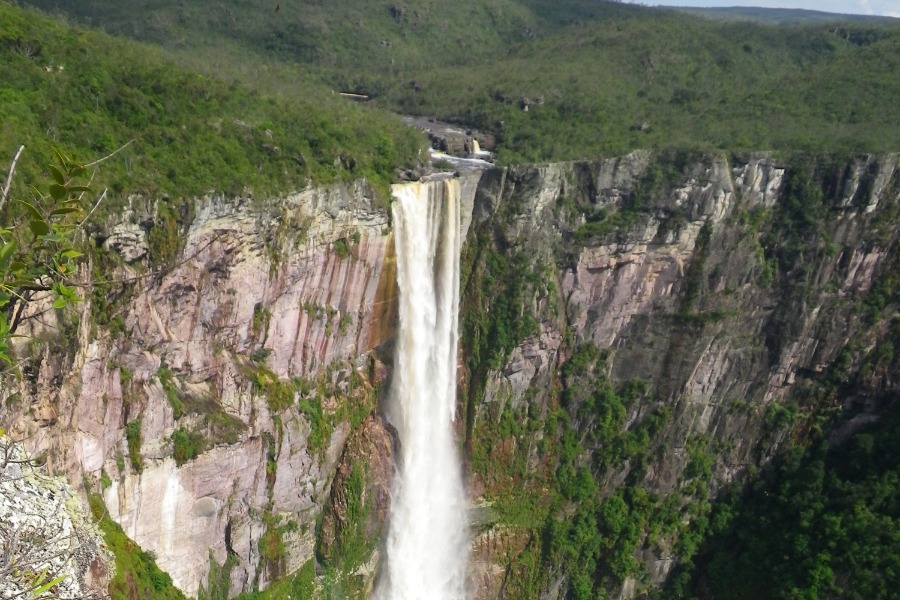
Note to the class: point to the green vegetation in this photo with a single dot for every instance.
(165, 238)
(107, 297)
(341, 248)
(186, 134)
(218, 582)
(769, 15)
(216, 426)
(623, 76)
(137, 577)
(279, 394)
(596, 546)
(338, 380)
(271, 544)
(352, 546)
(261, 318)
(663, 79)
(133, 438)
(509, 281)
(186, 445)
(301, 584)
(172, 394)
(823, 523)
(347, 533)
(37, 243)
(572, 523)
(320, 427)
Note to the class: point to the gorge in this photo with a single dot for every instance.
(672, 355)
(259, 341)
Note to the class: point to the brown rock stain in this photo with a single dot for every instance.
(385, 309)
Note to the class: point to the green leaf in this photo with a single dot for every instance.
(70, 254)
(65, 291)
(40, 590)
(17, 265)
(34, 212)
(64, 210)
(58, 192)
(37, 193)
(6, 254)
(60, 302)
(39, 228)
(64, 161)
(79, 188)
(57, 175)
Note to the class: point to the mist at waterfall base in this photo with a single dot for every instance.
(427, 544)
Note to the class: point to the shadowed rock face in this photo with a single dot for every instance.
(682, 292)
(360, 512)
(712, 291)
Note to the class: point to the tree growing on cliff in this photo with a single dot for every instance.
(38, 254)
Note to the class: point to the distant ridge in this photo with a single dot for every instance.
(778, 15)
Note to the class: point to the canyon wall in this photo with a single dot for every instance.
(266, 303)
(726, 298)
(222, 409)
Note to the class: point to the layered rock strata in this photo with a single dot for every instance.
(249, 355)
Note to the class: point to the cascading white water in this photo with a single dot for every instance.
(427, 545)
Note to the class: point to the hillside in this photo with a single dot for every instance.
(88, 94)
(555, 81)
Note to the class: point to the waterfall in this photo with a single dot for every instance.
(427, 544)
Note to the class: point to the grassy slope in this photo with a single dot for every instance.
(89, 94)
(599, 67)
(696, 83)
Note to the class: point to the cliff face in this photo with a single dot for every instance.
(725, 298)
(713, 299)
(259, 295)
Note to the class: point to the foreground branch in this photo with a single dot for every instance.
(9, 178)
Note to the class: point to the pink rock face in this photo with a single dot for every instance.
(307, 297)
(292, 285)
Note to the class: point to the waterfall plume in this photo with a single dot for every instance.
(427, 544)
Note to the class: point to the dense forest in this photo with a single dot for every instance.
(621, 77)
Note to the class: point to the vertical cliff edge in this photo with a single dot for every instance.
(638, 333)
